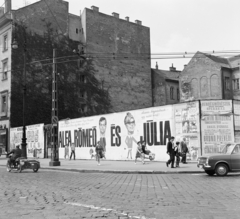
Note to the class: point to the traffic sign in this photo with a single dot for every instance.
(54, 120)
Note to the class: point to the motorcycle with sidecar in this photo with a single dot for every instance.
(22, 163)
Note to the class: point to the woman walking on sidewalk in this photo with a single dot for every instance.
(72, 151)
(99, 152)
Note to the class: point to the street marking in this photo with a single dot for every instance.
(105, 209)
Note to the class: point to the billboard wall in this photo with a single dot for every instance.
(216, 125)
(121, 132)
(35, 139)
(187, 125)
(236, 109)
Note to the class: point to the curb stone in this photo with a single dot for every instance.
(121, 171)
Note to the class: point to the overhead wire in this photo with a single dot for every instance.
(104, 58)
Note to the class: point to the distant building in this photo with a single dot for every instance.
(210, 77)
(165, 86)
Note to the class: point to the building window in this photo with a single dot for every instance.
(178, 94)
(83, 94)
(76, 30)
(172, 93)
(4, 104)
(236, 84)
(5, 42)
(227, 83)
(5, 70)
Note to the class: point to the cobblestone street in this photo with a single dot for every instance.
(59, 194)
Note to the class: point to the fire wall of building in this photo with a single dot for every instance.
(120, 51)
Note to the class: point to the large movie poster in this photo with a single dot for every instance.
(217, 125)
(35, 139)
(236, 109)
(187, 127)
(119, 132)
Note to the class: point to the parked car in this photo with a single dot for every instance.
(228, 160)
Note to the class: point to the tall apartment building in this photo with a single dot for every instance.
(121, 53)
(32, 16)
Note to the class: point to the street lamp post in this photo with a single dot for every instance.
(24, 139)
(54, 132)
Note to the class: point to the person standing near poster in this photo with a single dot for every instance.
(102, 128)
(177, 153)
(171, 152)
(184, 150)
(129, 122)
(72, 151)
(99, 152)
(66, 154)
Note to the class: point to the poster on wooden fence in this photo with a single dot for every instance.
(118, 133)
(35, 139)
(187, 126)
(217, 125)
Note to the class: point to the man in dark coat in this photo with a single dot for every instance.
(184, 150)
(16, 153)
(170, 152)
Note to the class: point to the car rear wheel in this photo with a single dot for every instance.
(35, 170)
(210, 172)
(221, 169)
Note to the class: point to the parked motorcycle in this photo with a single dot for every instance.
(22, 163)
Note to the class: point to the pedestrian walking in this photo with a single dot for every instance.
(139, 152)
(184, 150)
(99, 152)
(177, 153)
(66, 153)
(171, 152)
(72, 151)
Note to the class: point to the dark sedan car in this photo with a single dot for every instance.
(228, 160)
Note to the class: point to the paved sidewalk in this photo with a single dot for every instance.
(111, 166)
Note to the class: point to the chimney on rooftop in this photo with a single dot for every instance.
(114, 14)
(172, 68)
(138, 22)
(127, 18)
(8, 5)
(185, 66)
(156, 65)
(94, 8)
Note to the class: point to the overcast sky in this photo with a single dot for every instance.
(175, 25)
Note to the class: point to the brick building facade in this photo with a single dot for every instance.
(165, 86)
(121, 53)
(210, 77)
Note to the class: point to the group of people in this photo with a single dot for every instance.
(178, 150)
(72, 152)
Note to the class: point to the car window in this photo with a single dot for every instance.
(236, 150)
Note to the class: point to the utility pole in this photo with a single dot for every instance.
(54, 133)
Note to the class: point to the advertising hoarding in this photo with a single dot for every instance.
(187, 126)
(236, 109)
(216, 125)
(120, 132)
(35, 139)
